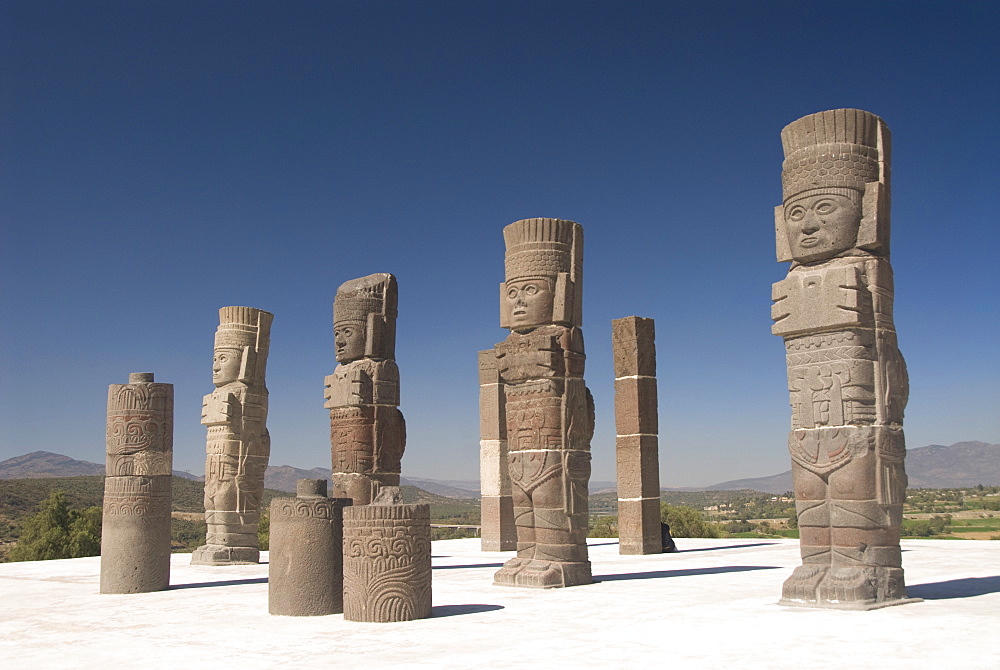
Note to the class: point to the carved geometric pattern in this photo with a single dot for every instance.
(387, 563)
(135, 535)
(846, 378)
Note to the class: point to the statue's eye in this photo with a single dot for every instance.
(531, 289)
(796, 213)
(511, 293)
(825, 207)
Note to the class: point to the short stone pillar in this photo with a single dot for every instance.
(634, 351)
(305, 575)
(497, 508)
(135, 535)
(387, 562)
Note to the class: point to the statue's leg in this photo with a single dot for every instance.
(813, 511)
(560, 507)
(866, 562)
(524, 519)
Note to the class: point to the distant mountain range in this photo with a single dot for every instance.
(42, 464)
(934, 466)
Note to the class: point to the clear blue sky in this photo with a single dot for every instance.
(163, 159)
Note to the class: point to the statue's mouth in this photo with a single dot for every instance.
(809, 242)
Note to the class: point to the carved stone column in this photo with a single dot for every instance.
(634, 351)
(549, 410)
(387, 560)
(135, 534)
(497, 509)
(238, 442)
(367, 430)
(846, 377)
(305, 572)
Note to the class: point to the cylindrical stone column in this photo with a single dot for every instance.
(135, 535)
(305, 574)
(387, 563)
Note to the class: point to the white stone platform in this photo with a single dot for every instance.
(710, 606)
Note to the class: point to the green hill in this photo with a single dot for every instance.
(20, 498)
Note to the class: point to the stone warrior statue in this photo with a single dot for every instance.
(367, 431)
(846, 377)
(238, 442)
(549, 410)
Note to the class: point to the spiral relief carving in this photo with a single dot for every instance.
(387, 563)
(135, 536)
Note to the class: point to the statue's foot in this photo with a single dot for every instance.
(217, 554)
(506, 576)
(800, 588)
(848, 586)
(554, 574)
(862, 587)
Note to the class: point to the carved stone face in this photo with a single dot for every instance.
(529, 302)
(821, 226)
(349, 341)
(226, 366)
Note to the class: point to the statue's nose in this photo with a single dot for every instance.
(810, 224)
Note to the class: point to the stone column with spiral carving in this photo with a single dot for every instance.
(135, 534)
(387, 560)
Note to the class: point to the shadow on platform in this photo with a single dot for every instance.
(475, 565)
(727, 546)
(456, 610)
(967, 587)
(657, 574)
(230, 582)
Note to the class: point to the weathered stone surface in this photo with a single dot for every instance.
(636, 406)
(632, 345)
(497, 515)
(636, 422)
(305, 574)
(367, 430)
(238, 442)
(548, 409)
(846, 378)
(387, 563)
(497, 520)
(641, 519)
(638, 469)
(135, 532)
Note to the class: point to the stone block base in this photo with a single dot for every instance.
(214, 554)
(535, 574)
